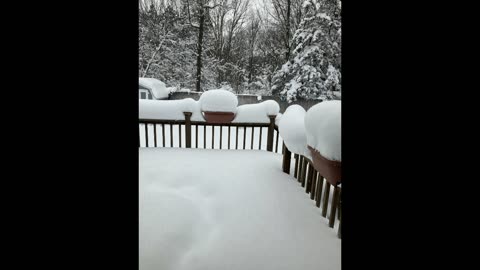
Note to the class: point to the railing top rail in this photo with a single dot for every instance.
(181, 122)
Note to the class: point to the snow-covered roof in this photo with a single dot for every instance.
(156, 87)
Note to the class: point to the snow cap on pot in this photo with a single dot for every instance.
(292, 129)
(323, 130)
(218, 106)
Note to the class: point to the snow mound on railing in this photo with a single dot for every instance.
(292, 129)
(157, 87)
(256, 113)
(218, 100)
(169, 109)
(323, 128)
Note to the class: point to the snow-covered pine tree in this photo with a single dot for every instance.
(313, 70)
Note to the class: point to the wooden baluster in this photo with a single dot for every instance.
(251, 143)
(314, 185)
(260, 143)
(236, 138)
(295, 172)
(276, 142)
(309, 178)
(319, 190)
(163, 135)
(300, 166)
(171, 135)
(146, 134)
(180, 135)
(155, 134)
(213, 137)
(228, 137)
(188, 130)
(333, 208)
(304, 171)
(287, 156)
(325, 199)
(196, 136)
(244, 137)
(221, 129)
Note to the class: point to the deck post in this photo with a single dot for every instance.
(287, 156)
(340, 215)
(271, 128)
(188, 130)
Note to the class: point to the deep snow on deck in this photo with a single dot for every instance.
(225, 209)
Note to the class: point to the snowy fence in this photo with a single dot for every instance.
(320, 128)
(180, 123)
(315, 184)
(199, 134)
(184, 123)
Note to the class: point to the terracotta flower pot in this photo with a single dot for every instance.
(219, 117)
(329, 169)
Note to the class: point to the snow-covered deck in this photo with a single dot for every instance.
(220, 209)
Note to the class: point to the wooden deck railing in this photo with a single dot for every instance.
(193, 134)
(315, 184)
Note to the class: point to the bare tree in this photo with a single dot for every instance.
(286, 14)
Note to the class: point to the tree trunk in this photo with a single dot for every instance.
(287, 54)
(199, 51)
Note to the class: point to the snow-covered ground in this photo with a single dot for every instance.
(218, 209)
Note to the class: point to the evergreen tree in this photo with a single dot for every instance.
(313, 70)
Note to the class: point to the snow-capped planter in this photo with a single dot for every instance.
(218, 106)
(257, 113)
(292, 129)
(169, 109)
(323, 130)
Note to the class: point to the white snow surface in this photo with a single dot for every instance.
(292, 129)
(218, 100)
(157, 87)
(208, 213)
(323, 127)
(169, 109)
(256, 113)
